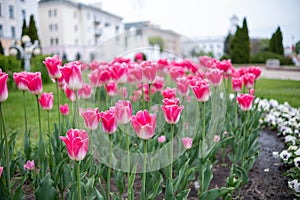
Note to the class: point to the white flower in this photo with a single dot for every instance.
(231, 96)
(292, 183)
(275, 154)
(297, 153)
(285, 155)
(297, 186)
(290, 138)
(297, 162)
(292, 148)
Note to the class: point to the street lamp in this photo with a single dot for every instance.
(26, 52)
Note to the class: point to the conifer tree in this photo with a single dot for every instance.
(32, 30)
(276, 45)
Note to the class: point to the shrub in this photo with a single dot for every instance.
(10, 64)
(261, 57)
(37, 65)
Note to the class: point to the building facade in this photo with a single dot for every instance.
(12, 13)
(73, 30)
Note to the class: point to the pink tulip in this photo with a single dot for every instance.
(182, 86)
(109, 122)
(85, 91)
(3, 86)
(64, 109)
(225, 65)
(71, 73)
(256, 71)
(20, 80)
(46, 101)
(34, 82)
(144, 124)
(161, 139)
(53, 64)
(245, 101)
(169, 93)
(111, 88)
(119, 72)
(169, 102)
(215, 76)
(237, 84)
(187, 142)
(77, 142)
(248, 80)
(104, 75)
(29, 165)
(91, 118)
(1, 170)
(201, 90)
(217, 138)
(159, 83)
(172, 113)
(251, 91)
(148, 69)
(70, 94)
(123, 111)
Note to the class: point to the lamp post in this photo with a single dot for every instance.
(26, 52)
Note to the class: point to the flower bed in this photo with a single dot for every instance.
(159, 123)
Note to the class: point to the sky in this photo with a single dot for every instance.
(211, 18)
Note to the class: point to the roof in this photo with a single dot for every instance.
(81, 5)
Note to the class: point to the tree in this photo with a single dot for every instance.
(240, 45)
(32, 30)
(227, 42)
(24, 28)
(157, 40)
(297, 47)
(1, 49)
(276, 45)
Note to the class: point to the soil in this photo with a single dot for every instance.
(266, 180)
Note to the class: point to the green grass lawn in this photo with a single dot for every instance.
(281, 90)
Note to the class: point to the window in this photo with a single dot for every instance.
(13, 32)
(1, 30)
(50, 27)
(88, 15)
(23, 14)
(51, 41)
(75, 14)
(0, 10)
(56, 41)
(11, 12)
(22, 0)
(49, 13)
(56, 27)
(75, 28)
(54, 13)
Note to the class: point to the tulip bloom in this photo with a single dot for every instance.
(29, 165)
(144, 124)
(77, 142)
(70, 94)
(71, 73)
(86, 91)
(111, 88)
(123, 111)
(161, 139)
(91, 118)
(245, 101)
(169, 93)
(34, 82)
(119, 72)
(20, 80)
(187, 142)
(201, 90)
(215, 76)
(172, 112)
(3, 86)
(64, 109)
(237, 84)
(1, 170)
(148, 69)
(249, 80)
(182, 86)
(46, 101)
(53, 64)
(109, 122)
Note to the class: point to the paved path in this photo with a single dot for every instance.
(280, 74)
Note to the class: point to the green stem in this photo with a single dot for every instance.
(109, 167)
(77, 110)
(39, 114)
(58, 112)
(6, 150)
(25, 113)
(202, 144)
(144, 170)
(235, 112)
(51, 164)
(150, 93)
(171, 151)
(77, 166)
